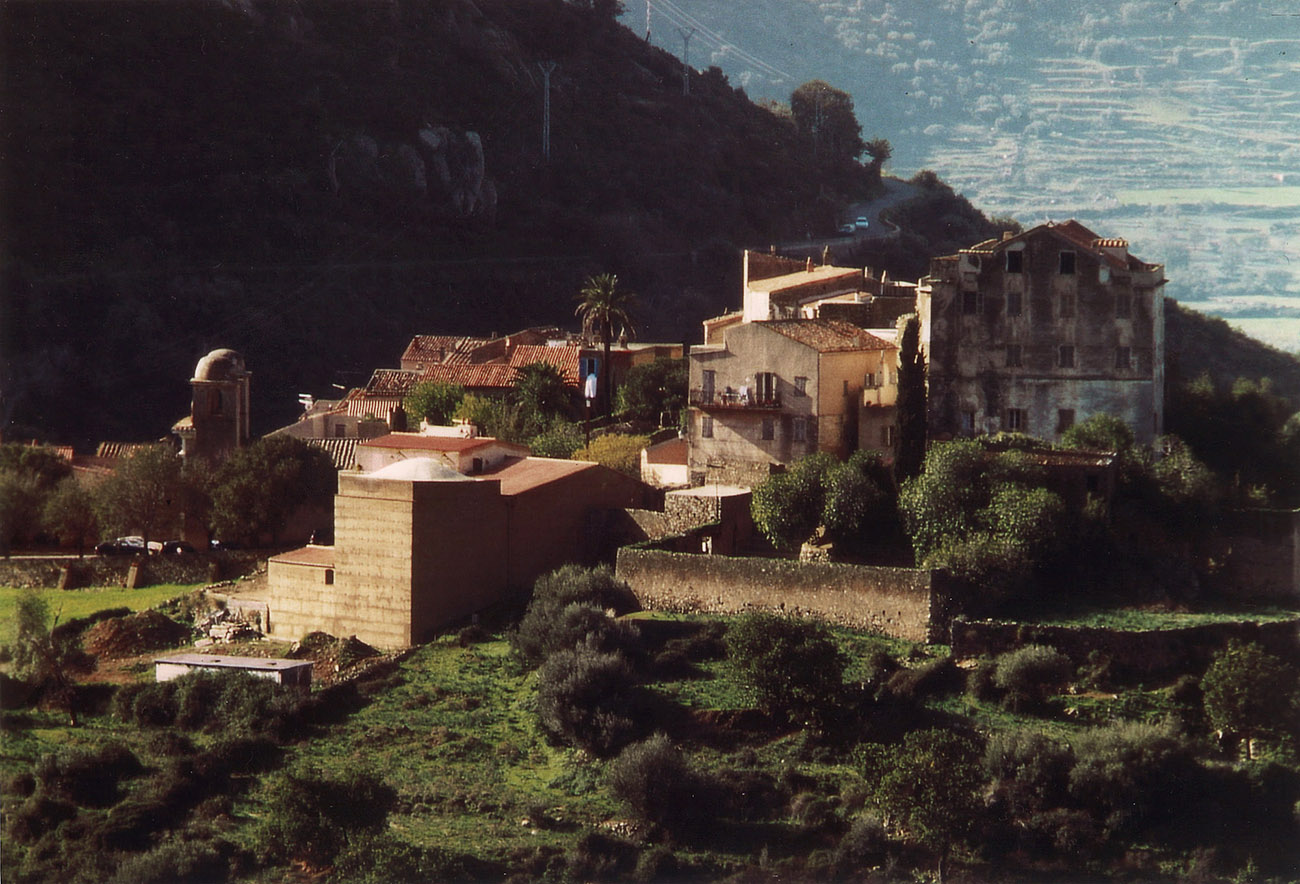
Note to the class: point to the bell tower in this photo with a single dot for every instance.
(219, 412)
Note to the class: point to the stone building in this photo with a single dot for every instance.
(777, 390)
(780, 379)
(219, 419)
(1038, 330)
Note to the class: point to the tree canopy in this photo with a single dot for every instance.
(258, 488)
(434, 401)
(824, 115)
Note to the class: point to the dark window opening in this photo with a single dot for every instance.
(329, 576)
(1015, 419)
(1064, 419)
(1067, 263)
(1066, 356)
(970, 303)
(1016, 262)
(1123, 358)
(769, 428)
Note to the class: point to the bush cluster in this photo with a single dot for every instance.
(1023, 679)
(567, 606)
(235, 703)
(793, 667)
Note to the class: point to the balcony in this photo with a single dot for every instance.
(717, 400)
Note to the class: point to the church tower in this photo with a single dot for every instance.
(219, 412)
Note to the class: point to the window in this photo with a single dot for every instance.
(887, 436)
(1123, 358)
(766, 387)
(801, 429)
(1065, 356)
(1064, 419)
(1016, 420)
(706, 427)
(329, 576)
(340, 431)
(1014, 306)
(769, 428)
(801, 386)
(710, 380)
(968, 423)
(1066, 264)
(870, 380)
(1067, 305)
(477, 466)
(1123, 306)
(970, 303)
(1016, 262)
(1013, 356)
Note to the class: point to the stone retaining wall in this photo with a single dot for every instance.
(900, 602)
(1133, 654)
(112, 570)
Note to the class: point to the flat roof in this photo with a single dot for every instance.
(313, 554)
(265, 664)
(711, 491)
(422, 442)
(522, 474)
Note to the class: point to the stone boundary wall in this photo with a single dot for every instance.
(1133, 654)
(112, 570)
(901, 602)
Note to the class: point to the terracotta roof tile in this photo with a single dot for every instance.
(563, 358)
(496, 376)
(441, 349)
(518, 475)
(390, 381)
(343, 452)
(320, 556)
(827, 335)
(421, 442)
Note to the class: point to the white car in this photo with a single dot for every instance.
(848, 228)
(862, 224)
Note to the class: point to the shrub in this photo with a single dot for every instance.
(793, 668)
(657, 864)
(1030, 771)
(1131, 775)
(1249, 692)
(657, 783)
(1028, 676)
(87, 779)
(863, 845)
(380, 858)
(36, 816)
(550, 625)
(314, 819)
(178, 862)
(561, 439)
(936, 678)
(588, 698)
(618, 452)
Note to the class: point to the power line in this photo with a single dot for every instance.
(679, 17)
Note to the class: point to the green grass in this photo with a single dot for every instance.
(1137, 620)
(66, 604)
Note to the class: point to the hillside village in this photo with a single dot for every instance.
(793, 463)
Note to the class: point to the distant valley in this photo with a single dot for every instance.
(1172, 125)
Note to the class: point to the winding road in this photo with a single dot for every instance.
(895, 191)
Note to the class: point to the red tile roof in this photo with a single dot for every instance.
(827, 335)
(389, 381)
(421, 442)
(493, 376)
(563, 358)
(441, 349)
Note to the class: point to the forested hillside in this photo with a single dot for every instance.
(313, 182)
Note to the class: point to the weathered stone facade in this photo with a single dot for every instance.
(904, 603)
(1040, 330)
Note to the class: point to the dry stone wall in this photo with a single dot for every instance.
(900, 602)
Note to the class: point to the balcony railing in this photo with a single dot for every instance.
(718, 399)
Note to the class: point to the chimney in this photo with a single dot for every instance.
(808, 264)
(1007, 234)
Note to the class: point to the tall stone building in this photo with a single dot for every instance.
(1036, 331)
(219, 419)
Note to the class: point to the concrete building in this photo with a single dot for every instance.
(286, 672)
(466, 453)
(419, 545)
(1036, 331)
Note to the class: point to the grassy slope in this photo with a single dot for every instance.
(69, 603)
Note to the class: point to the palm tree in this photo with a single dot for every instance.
(602, 305)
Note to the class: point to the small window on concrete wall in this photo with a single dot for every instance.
(769, 428)
(1066, 263)
(800, 429)
(1065, 356)
(706, 427)
(801, 386)
(970, 303)
(968, 422)
(1016, 262)
(329, 576)
(1016, 420)
(1064, 419)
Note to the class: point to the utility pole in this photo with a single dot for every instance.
(546, 67)
(647, 21)
(686, 58)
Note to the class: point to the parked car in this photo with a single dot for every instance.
(176, 548)
(121, 546)
(862, 223)
(224, 544)
(848, 228)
